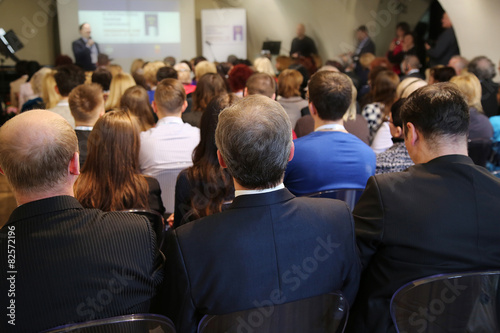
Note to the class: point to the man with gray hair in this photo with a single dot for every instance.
(66, 264)
(484, 69)
(268, 247)
(458, 63)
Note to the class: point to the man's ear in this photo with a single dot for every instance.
(221, 160)
(184, 106)
(74, 164)
(57, 90)
(273, 97)
(245, 92)
(154, 106)
(292, 152)
(411, 134)
(312, 109)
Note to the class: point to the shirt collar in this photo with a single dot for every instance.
(171, 120)
(266, 190)
(63, 103)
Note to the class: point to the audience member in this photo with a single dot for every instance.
(87, 105)
(169, 145)
(383, 94)
(329, 147)
(395, 54)
(136, 101)
(109, 179)
(438, 217)
(365, 44)
(63, 59)
(446, 45)
(36, 82)
(396, 158)
(150, 71)
(119, 83)
(67, 77)
(77, 264)
(289, 96)
(264, 65)
(253, 247)
(410, 67)
(441, 74)
(21, 70)
(103, 61)
(261, 84)
(102, 77)
(409, 85)
(25, 89)
(209, 86)
(184, 74)
(302, 45)
(169, 61)
(480, 128)
(204, 188)
(238, 76)
(282, 63)
(166, 72)
(204, 67)
(484, 69)
(115, 69)
(49, 93)
(458, 63)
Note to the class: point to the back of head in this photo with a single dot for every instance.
(254, 137)
(119, 83)
(412, 61)
(169, 61)
(331, 94)
(37, 80)
(37, 160)
(470, 86)
(261, 84)
(238, 76)
(63, 59)
(396, 112)
(136, 66)
(68, 77)
(150, 70)
(86, 102)
(443, 74)
(404, 26)
(264, 65)
(482, 67)
(204, 67)
(166, 72)
(136, 101)
(209, 86)
(289, 82)
(49, 94)
(183, 72)
(439, 112)
(283, 62)
(102, 77)
(408, 86)
(22, 67)
(380, 62)
(459, 63)
(384, 87)
(366, 59)
(170, 96)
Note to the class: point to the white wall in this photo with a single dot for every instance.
(476, 24)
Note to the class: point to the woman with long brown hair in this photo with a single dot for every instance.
(202, 189)
(136, 100)
(110, 178)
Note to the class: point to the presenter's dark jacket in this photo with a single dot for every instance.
(75, 264)
(262, 247)
(437, 217)
(82, 55)
(445, 48)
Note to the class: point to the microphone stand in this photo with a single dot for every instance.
(211, 51)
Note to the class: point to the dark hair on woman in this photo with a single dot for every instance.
(110, 178)
(209, 86)
(384, 89)
(443, 74)
(403, 26)
(396, 112)
(136, 101)
(206, 170)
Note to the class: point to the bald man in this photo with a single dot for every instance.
(302, 45)
(62, 263)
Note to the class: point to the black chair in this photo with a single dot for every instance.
(319, 314)
(135, 323)
(461, 302)
(157, 222)
(480, 151)
(349, 196)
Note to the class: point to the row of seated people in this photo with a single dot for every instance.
(84, 263)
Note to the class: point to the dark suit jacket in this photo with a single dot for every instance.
(265, 248)
(83, 137)
(82, 55)
(437, 217)
(445, 48)
(489, 97)
(75, 264)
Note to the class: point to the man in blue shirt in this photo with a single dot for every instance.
(329, 158)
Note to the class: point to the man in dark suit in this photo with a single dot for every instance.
(302, 45)
(268, 247)
(446, 44)
(365, 43)
(62, 263)
(85, 49)
(410, 67)
(440, 216)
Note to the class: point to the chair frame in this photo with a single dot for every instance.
(348, 192)
(430, 279)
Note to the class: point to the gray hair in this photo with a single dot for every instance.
(482, 67)
(254, 137)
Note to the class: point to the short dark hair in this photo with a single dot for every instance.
(254, 137)
(166, 72)
(404, 26)
(68, 77)
(170, 96)
(331, 94)
(362, 28)
(396, 112)
(261, 84)
(102, 77)
(438, 110)
(443, 74)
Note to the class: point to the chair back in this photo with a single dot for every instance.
(349, 196)
(157, 223)
(480, 151)
(462, 302)
(167, 179)
(135, 323)
(319, 314)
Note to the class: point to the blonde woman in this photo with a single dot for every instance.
(49, 94)
(204, 67)
(36, 101)
(119, 83)
(264, 65)
(184, 75)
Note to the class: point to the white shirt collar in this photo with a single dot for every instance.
(330, 127)
(266, 190)
(63, 103)
(171, 120)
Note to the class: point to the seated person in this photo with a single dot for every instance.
(86, 105)
(204, 188)
(438, 217)
(262, 244)
(74, 264)
(329, 158)
(67, 78)
(396, 158)
(110, 180)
